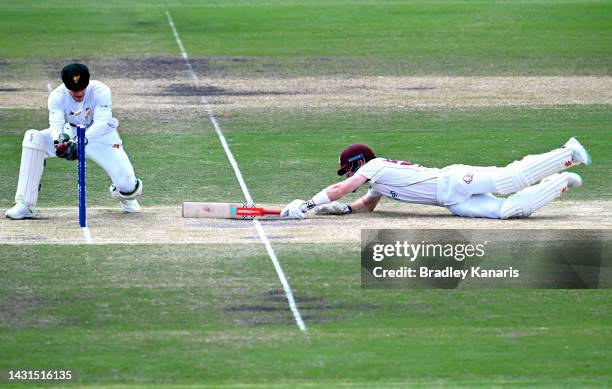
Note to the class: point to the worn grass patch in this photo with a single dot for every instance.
(216, 314)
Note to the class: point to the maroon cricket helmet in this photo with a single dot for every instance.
(350, 157)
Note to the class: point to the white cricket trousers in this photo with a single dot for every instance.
(112, 158)
(467, 190)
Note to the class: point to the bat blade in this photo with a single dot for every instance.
(225, 210)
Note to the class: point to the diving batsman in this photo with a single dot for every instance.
(468, 191)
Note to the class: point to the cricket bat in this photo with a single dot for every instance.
(225, 210)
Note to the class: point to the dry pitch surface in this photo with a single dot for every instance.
(164, 225)
(156, 97)
(228, 95)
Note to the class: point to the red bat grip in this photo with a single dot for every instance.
(256, 212)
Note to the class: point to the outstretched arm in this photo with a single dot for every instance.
(338, 190)
(364, 204)
(297, 208)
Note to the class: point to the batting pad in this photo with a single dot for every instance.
(527, 201)
(31, 168)
(530, 170)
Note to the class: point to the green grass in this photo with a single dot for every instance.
(199, 317)
(306, 145)
(214, 315)
(446, 37)
(293, 155)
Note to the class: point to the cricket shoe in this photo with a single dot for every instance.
(130, 206)
(580, 155)
(20, 211)
(573, 179)
(129, 203)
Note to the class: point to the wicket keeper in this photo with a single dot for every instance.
(467, 191)
(77, 101)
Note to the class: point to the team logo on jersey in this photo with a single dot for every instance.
(468, 178)
(76, 78)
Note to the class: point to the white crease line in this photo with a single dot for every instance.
(87, 234)
(245, 190)
(105, 208)
(107, 242)
(148, 207)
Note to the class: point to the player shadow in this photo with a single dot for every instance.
(425, 215)
(418, 215)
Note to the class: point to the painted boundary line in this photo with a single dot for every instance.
(86, 230)
(245, 189)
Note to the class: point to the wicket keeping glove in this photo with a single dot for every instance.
(65, 147)
(333, 208)
(295, 209)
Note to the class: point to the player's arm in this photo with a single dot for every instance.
(56, 114)
(64, 146)
(297, 208)
(102, 115)
(338, 190)
(365, 203)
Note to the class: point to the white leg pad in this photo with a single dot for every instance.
(32, 164)
(531, 169)
(527, 201)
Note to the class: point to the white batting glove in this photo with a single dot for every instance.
(295, 209)
(333, 208)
